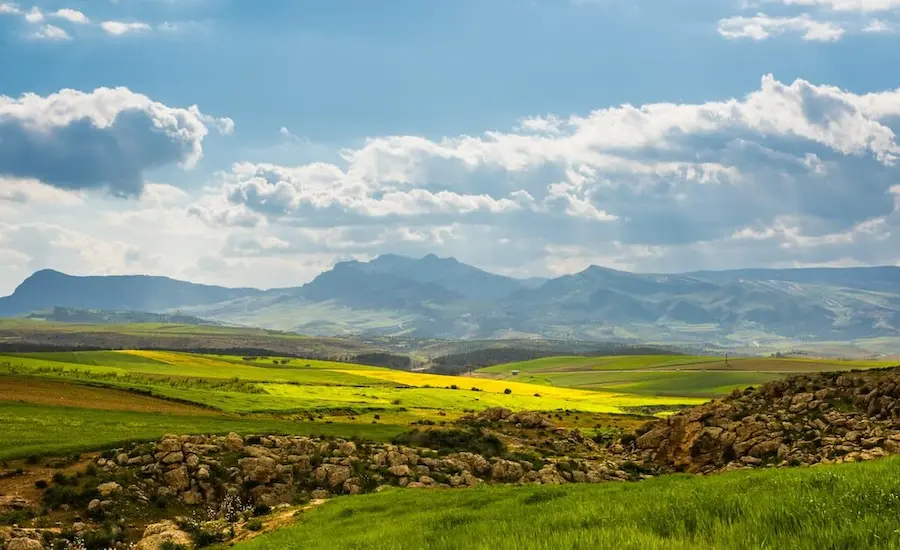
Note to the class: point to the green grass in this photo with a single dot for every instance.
(833, 507)
(664, 375)
(661, 383)
(29, 429)
(201, 366)
(260, 385)
(615, 362)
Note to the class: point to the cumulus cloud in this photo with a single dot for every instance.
(50, 32)
(798, 170)
(106, 138)
(762, 26)
(73, 16)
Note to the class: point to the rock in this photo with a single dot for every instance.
(530, 420)
(192, 461)
(506, 470)
(192, 498)
(333, 475)
(169, 444)
(494, 414)
(347, 448)
(94, 504)
(172, 458)
(202, 474)
(401, 470)
(549, 476)
(23, 543)
(122, 459)
(320, 494)
(258, 470)
(177, 479)
(159, 535)
(272, 495)
(233, 442)
(109, 488)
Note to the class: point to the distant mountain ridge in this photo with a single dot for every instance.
(442, 297)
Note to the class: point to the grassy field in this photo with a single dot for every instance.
(60, 402)
(836, 507)
(663, 375)
(32, 429)
(276, 385)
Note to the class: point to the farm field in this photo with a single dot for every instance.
(67, 401)
(844, 506)
(663, 375)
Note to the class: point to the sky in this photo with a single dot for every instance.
(257, 143)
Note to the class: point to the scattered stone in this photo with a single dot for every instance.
(109, 488)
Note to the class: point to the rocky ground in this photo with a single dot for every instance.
(194, 490)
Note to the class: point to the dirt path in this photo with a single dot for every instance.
(277, 520)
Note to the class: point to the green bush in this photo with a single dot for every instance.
(255, 524)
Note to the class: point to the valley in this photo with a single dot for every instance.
(300, 443)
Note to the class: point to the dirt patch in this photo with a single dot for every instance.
(63, 394)
(18, 478)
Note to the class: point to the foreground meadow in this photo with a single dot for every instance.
(846, 506)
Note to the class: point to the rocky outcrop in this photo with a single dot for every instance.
(801, 420)
(157, 535)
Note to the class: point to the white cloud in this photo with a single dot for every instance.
(73, 16)
(50, 32)
(34, 16)
(762, 26)
(880, 26)
(118, 28)
(101, 139)
(788, 174)
(8, 8)
(865, 6)
(799, 168)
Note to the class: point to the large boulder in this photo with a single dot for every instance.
(159, 535)
(23, 543)
(332, 475)
(258, 470)
(177, 479)
(507, 471)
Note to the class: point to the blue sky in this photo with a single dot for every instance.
(350, 128)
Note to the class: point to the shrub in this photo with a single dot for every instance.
(41, 484)
(454, 440)
(169, 545)
(507, 391)
(261, 509)
(255, 524)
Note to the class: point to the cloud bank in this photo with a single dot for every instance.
(106, 138)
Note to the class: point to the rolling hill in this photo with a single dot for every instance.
(445, 298)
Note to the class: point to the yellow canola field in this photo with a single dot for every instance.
(606, 401)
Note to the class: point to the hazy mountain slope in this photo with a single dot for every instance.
(48, 288)
(435, 297)
(447, 273)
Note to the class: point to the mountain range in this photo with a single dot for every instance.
(442, 297)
